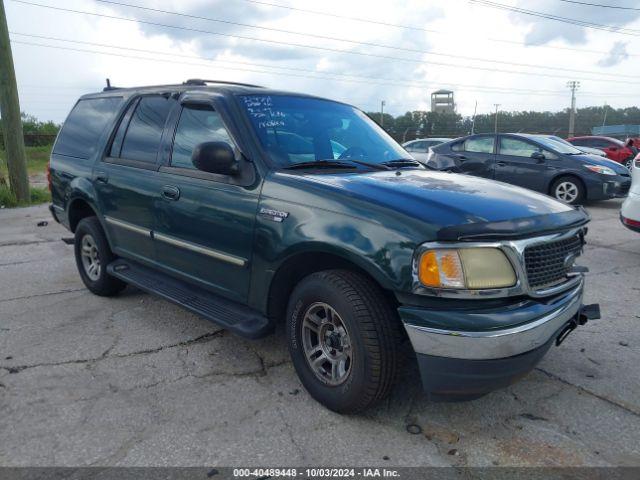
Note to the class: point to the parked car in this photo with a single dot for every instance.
(419, 149)
(591, 151)
(614, 149)
(630, 211)
(534, 162)
(197, 193)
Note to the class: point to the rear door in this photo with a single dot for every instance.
(475, 155)
(515, 164)
(204, 226)
(127, 180)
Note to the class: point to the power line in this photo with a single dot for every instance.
(548, 16)
(411, 27)
(298, 45)
(354, 42)
(394, 80)
(348, 80)
(618, 7)
(356, 79)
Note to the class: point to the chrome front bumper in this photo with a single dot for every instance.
(495, 343)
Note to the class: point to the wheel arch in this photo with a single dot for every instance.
(298, 265)
(570, 175)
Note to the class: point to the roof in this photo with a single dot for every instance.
(442, 92)
(204, 86)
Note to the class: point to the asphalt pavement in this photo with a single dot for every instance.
(137, 381)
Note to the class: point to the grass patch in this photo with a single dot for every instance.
(37, 159)
(38, 195)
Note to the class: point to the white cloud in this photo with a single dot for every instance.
(51, 79)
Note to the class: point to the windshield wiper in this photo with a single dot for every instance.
(319, 164)
(347, 163)
(405, 162)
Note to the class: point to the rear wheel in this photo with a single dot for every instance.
(92, 257)
(568, 190)
(344, 339)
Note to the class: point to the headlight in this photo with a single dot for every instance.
(466, 268)
(600, 169)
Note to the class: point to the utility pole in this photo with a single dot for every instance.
(11, 121)
(382, 113)
(473, 120)
(496, 124)
(604, 120)
(573, 85)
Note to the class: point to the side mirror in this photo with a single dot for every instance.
(215, 157)
(538, 156)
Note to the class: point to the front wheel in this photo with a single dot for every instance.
(629, 163)
(344, 339)
(92, 257)
(568, 190)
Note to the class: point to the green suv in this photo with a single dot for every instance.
(253, 207)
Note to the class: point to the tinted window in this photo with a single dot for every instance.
(196, 125)
(116, 145)
(143, 136)
(458, 147)
(597, 143)
(84, 126)
(479, 145)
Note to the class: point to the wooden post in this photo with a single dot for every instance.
(11, 121)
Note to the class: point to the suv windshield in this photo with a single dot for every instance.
(297, 130)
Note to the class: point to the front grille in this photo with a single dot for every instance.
(624, 188)
(548, 263)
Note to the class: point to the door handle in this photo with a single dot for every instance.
(170, 192)
(102, 177)
(461, 157)
(501, 164)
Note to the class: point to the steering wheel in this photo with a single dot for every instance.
(353, 152)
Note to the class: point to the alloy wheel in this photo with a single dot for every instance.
(326, 343)
(90, 257)
(567, 192)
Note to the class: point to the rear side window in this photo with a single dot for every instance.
(196, 125)
(479, 145)
(144, 132)
(517, 148)
(85, 124)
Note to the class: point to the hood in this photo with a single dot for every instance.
(445, 200)
(604, 162)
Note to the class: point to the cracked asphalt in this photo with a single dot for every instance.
(137, 381)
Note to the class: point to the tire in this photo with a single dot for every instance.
(92, 264)
(365, 321)
(629, 162)
(568, 189)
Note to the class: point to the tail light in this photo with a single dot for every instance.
(636, 161)
(49, 174)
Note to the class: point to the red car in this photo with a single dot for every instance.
(614, 148)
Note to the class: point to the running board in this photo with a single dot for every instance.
(230, 315)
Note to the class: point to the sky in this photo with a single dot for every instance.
(358, 51)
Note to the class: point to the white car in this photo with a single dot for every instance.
(420, 148)
(630, 212)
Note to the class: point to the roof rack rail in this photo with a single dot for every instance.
(202, 82)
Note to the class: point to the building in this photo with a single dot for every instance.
(442, 102)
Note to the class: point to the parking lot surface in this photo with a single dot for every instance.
(137, 381)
